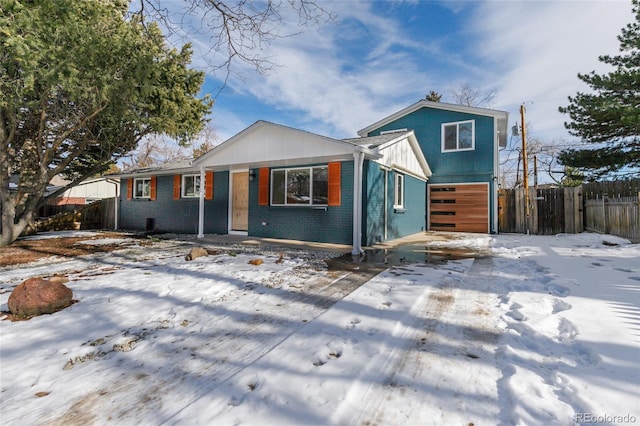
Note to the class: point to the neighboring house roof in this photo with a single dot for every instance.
(399, 150)
(159, 169)
(501, 116)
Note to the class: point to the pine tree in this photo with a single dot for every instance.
(608, 120)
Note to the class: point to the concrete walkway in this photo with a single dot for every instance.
(415, 239)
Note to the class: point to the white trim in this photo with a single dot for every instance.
(201, 205)
(286, 170)
(407, 172)
(457, 124)
(358, 161)
(141, 197)
(183, 186)
(398, 177)
(279, 146)
(423, 103)
(386, 202)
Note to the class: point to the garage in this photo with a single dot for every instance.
(459, 207)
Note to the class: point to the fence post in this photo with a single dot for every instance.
(605, 198)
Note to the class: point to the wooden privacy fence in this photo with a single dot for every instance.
(617, 216)
(97, 215)
(606, 207)
(551, 211)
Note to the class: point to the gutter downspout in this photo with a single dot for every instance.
(386, 202)
(496, 176)
(358, 162)
(201, 205)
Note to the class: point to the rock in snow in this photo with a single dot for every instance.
(195, 253)
(37, 296)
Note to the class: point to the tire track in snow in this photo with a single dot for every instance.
(449, 333)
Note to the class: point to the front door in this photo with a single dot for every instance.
(240, 201)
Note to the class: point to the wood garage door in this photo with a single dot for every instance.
(459, 207)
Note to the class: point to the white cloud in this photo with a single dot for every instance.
(340, 77)
(334, 93)
(538, 48)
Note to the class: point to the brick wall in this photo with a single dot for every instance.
(181, 215)
(332, 224)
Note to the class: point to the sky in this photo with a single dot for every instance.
(378, 57)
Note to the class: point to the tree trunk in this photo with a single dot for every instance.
(8, 213)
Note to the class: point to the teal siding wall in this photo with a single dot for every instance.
(328, 225)
(453, 167)
(400, 223)
(176, 215)
(465, 166)
(373, 203)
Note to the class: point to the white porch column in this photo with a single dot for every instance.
(201, 205)
(358, 161)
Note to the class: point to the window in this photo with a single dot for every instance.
(398, 200)
(300, 186)
(458, 136)
(142, 188)
(190, 186)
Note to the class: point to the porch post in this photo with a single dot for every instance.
(201, 205)
(358, 161)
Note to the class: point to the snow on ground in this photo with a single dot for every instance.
(544, 330)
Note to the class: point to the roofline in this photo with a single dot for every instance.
(260, 123)
(152, 172)
(435, 105)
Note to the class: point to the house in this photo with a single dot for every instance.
(462, 145)
(86, 192)
(274, 181)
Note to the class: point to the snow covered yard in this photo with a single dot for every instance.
(544, 331)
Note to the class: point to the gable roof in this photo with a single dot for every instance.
(398, 150)
(502, 117)
(266, 144)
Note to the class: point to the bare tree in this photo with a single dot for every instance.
(237, 30)
(207, 140)
(154, 150)
(540, 152)
(467, 94)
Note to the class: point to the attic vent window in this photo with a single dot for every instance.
(459, 136)
(386, 132)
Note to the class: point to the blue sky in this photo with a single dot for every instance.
(378, 57)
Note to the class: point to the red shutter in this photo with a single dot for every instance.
(334, 184)
(177, 181)
(263, 187)
(208, 186)
(129, 188)
(153, 188)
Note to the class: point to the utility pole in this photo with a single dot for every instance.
(524, 167)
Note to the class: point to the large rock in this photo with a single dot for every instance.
(38, 296)
(195, 253)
